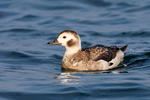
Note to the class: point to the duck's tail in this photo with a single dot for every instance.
(124, 48)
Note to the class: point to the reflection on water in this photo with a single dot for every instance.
(68, 78)
(73, 77)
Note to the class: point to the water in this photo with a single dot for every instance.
(31, 70)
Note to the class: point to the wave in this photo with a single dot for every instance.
(118, 92)
(17, 30)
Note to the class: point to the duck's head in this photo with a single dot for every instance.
(69, 39)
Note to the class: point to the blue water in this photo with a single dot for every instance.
(31, 70)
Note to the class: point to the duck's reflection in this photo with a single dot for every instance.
(68, 78)
(74, 77)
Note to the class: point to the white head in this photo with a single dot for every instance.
(70, 40)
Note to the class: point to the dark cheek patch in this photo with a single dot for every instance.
(70, 43)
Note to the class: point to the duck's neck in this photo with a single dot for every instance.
(72, 50)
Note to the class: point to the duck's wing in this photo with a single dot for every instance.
(101, 53)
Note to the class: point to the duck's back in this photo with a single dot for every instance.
(101, 53)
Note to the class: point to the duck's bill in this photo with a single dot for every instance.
(55, 42)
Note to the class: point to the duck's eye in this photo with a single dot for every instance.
(64, 37)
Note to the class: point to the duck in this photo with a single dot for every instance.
(87, 59)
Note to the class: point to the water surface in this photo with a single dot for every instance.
(31, 70)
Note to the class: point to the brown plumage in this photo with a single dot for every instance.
(101, 53)
(92, 58)
(84, 59)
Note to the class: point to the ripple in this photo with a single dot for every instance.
(38, 96)
(98, 3)
(56, 56)
(6, 14)
(133, 10)
(118, 93)
(93, 33)
(121, 92)
(14, 54)
(138, 61)
(54, 7)
(123, 34)
(28, 18)
(125, 4)
(5, 5)
(132, 56)
(86, 44)
(147, 54)
(15, 58)
(135, 34)
(18, 30)
(18, 55)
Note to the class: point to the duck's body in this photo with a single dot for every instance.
(92, 58)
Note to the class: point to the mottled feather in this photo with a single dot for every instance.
(101, 53)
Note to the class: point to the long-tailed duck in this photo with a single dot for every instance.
(86, 59)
